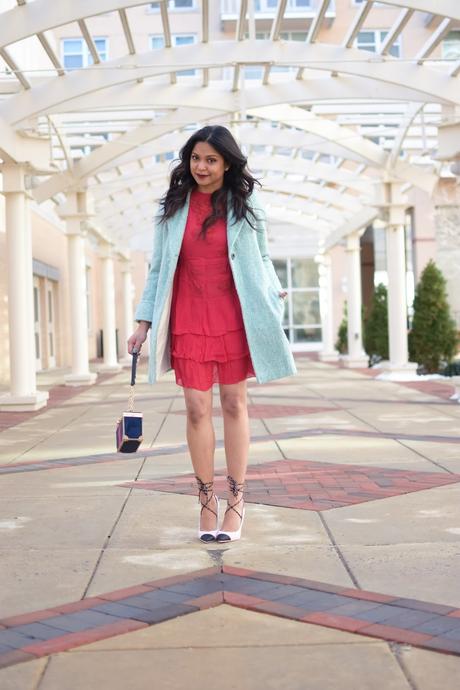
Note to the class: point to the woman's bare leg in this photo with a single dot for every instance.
(233, 399)
(201, 442)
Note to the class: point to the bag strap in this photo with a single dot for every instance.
(133, 381)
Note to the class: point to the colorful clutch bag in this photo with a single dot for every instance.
(129, 425)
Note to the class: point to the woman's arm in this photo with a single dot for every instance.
(144, 309)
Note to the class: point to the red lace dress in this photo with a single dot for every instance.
(208, 340)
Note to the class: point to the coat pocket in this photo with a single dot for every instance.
(276, 302)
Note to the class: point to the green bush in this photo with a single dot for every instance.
(433, 339)
(376, 326)
(342, 334)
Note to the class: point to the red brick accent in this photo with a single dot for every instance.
(30, 617)
(242, 601)
(127, 592)
(339, 622)
(370, 596)
(207, 601)
(60, 644)
(309, 485)
(277, 609)
(387, 632)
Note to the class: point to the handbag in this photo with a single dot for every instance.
(129, 425)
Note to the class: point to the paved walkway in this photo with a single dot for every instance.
(347, 575)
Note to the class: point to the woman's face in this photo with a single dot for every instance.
(207, 167)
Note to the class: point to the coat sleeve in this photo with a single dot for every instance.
(144, 310)
(261, 234)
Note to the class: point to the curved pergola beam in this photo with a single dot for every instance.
(249, 134)
(413, 110)
(360, 221)
(295, 196)
(275, 163)
(310, 91)
(39, 16)
(44, 98)
(89, 165)
(449, 8)
(329, 129)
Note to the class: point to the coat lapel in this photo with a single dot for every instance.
(177, 226)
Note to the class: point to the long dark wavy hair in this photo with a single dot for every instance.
(237, 179)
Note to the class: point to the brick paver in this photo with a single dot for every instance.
(308, 485)
(406, 621)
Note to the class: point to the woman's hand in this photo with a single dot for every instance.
(138, 337)
(283, 294)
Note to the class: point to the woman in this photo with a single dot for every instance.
(214, 305)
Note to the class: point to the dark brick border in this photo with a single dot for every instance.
(408, 621)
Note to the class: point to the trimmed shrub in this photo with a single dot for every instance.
(433, 339)
(376, 326)
(342, 334)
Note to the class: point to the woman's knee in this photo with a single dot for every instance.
(233, 405)
(198, 409)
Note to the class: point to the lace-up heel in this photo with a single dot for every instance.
(206, 488)
(235, 489)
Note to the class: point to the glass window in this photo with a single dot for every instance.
(75, 53)
(451, 46)
(175, 5)
(307, 335)
(305, 308)
(304, 273)
(158, 41)
(281, 270)
(271, 5)
(373, 41)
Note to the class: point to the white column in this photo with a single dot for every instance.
(80, 374)
(356, 356)
(395, 204)
(110, 363)
(23, 395)
(328, 352)
(128, 311)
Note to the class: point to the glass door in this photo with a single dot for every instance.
(37, 338)
(50, 325)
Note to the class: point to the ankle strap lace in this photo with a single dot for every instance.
(235, 487)
(204, 487)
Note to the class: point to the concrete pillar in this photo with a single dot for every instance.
(356, 356)
(395, 204)
(73, 214)
(23, 395)
(110, 363)
(328, 352)
(397, 303)
(128, 311)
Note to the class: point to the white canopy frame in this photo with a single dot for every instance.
(157, 108)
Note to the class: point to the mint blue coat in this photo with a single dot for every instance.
(256, 282)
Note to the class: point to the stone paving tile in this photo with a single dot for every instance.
(264, 411)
